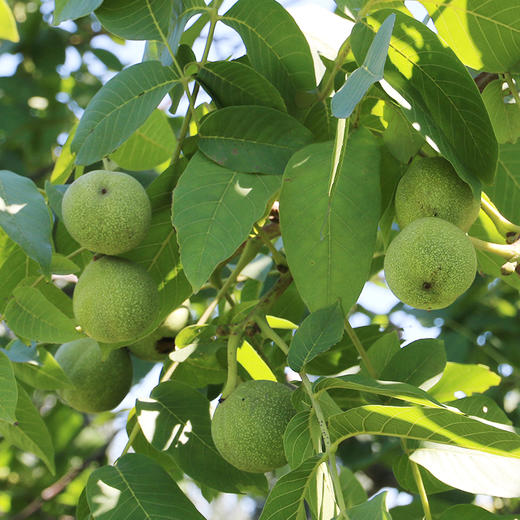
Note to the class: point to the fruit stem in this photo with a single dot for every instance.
(510, 231)
(507, 251)
(248, 253)
(232, 347)
(333, 469)
(360, 349)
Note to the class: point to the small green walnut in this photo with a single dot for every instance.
(115, 300)
(430, 263)
(432, 188)
(157, 346)
(98, 384)
(248, 426)
(107, 212)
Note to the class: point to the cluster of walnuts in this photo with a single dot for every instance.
(115, 300)
(432, 261)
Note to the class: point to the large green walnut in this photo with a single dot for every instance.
(115, 300)
(432, 188)
(98, 384)
(107, 212)
(157, 345)
(430, 263)
(248, 426)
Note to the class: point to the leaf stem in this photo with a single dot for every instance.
(278, 257)
(360, 349)
(506, 228)
(232, 347)
(422, 491)
(338, 63)
(131, 438)
(269, 333)
(248, 253)
(333, 470)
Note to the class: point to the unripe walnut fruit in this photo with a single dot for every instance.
(115, 300)
(430, 263)
(98, 384)
(107, 212)
(431, 188)
(248, 426)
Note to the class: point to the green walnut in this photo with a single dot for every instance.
(432, 188)
(107, 212)
(430, 263)
(157, 346)
(98, 384)
(248, 426)
(115, 300)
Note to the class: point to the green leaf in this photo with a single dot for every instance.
(481, 406)
(136, 19)
(29, 432)
(485, 34)
(213, 211)
(72, 9)
(276, 47)
(438, 425)
(297, 439)
(404, 475)
(374, 509)
(505, 117)
(471, 470)
(30, 315)
(119, 108)
(358, 82)
(353, 491)
(286, 499)
(232, 83)
(8, 390)
(82, 509)
(471, 512)
(505, 193)
(252, 139)
(24, 216)
(137, 488)
(65, 163)
(465, 378)
(402, 391)
(159, 252)
(321, 330)
(381, 353)
(331, 239)
(42, 372)
(150, 145)
(445, 102)
(420, 363)
(176, 419)
(8, 29)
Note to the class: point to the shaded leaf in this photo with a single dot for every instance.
(381, 353)
(136, 19)
(150, 145)
(374, 509)
(252, 139)
(137, 488)
(120, 107)
(504, 116)
(321, 330)
(232, 83)
(403, 472)
(176, 419)
(30, 315)
(331, 239)
(29, 433)
(8, 390)
(276, 47)
(353, 491)
(72, 9)
(24, 216)
(471, 512)
(297, 439)
(213, 211)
